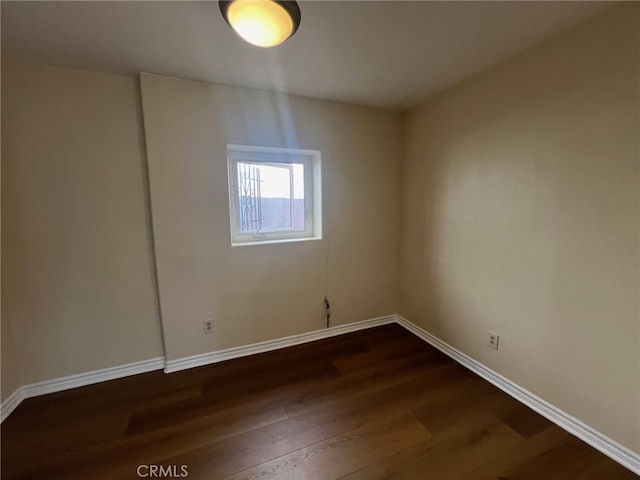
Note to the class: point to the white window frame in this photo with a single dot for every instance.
(311, 159)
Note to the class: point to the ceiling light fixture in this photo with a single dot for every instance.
(264, 23)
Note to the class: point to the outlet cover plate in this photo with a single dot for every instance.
(493, 340)
(207, 326)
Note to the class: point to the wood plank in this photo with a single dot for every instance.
(363, 381)
(444, 405)
(572, 458)
(393, 467)
(517, 454)
(340, 455)
(464, 445)
(239, 391)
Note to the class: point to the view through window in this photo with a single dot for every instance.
(271, 197)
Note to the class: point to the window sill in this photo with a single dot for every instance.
(274, 240)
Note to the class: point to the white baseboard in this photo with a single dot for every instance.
(601, 442)
(236, 352)
(78, 380)
(10, 404)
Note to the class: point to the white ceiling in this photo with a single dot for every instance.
(387, 54)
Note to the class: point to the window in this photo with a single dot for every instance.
(274, 194)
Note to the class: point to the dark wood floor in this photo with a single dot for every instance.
(375, 404)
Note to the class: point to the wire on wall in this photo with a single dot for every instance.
(327, 310)
(327, 235)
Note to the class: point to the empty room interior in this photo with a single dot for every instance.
(362, 240)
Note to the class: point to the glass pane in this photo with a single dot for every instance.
(271, 197)
(248, 197)
(276, 189)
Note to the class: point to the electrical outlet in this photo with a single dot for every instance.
(493, 340)
(208, 326)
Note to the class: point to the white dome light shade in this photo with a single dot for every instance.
(264, 23)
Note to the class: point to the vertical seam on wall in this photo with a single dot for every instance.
(149, 209)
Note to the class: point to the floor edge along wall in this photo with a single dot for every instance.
(601, 442)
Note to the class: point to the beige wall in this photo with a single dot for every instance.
(9, 373)
(263, 292)
(520, 214)
(76, 263)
